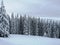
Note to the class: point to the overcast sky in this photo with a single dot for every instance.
(44, 8)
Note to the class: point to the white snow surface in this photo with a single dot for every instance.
(15, 39)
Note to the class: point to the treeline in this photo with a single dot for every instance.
(27, 25)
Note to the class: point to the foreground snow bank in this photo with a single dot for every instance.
(28, 40)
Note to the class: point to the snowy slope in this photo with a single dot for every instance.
(28, 40)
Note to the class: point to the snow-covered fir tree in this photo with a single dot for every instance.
(33, 26)
(26, 31)
(16, 24)
(29, 19)
(21, 25)
(40, 27)
(4, 21)
(12, 24)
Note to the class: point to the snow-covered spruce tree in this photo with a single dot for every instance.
(33, 26)
(21, 25)
(25, 21)
(12, 24)
(59, 28)
(40, 27)
(53, 30)
(30, 30)
(49, 28)
(28, 25)
(16, 24)
(37, 26)
(45, 28)
(4, 21)
(56, 35)
(8, 28)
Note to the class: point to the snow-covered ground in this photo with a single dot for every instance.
(28, 40)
